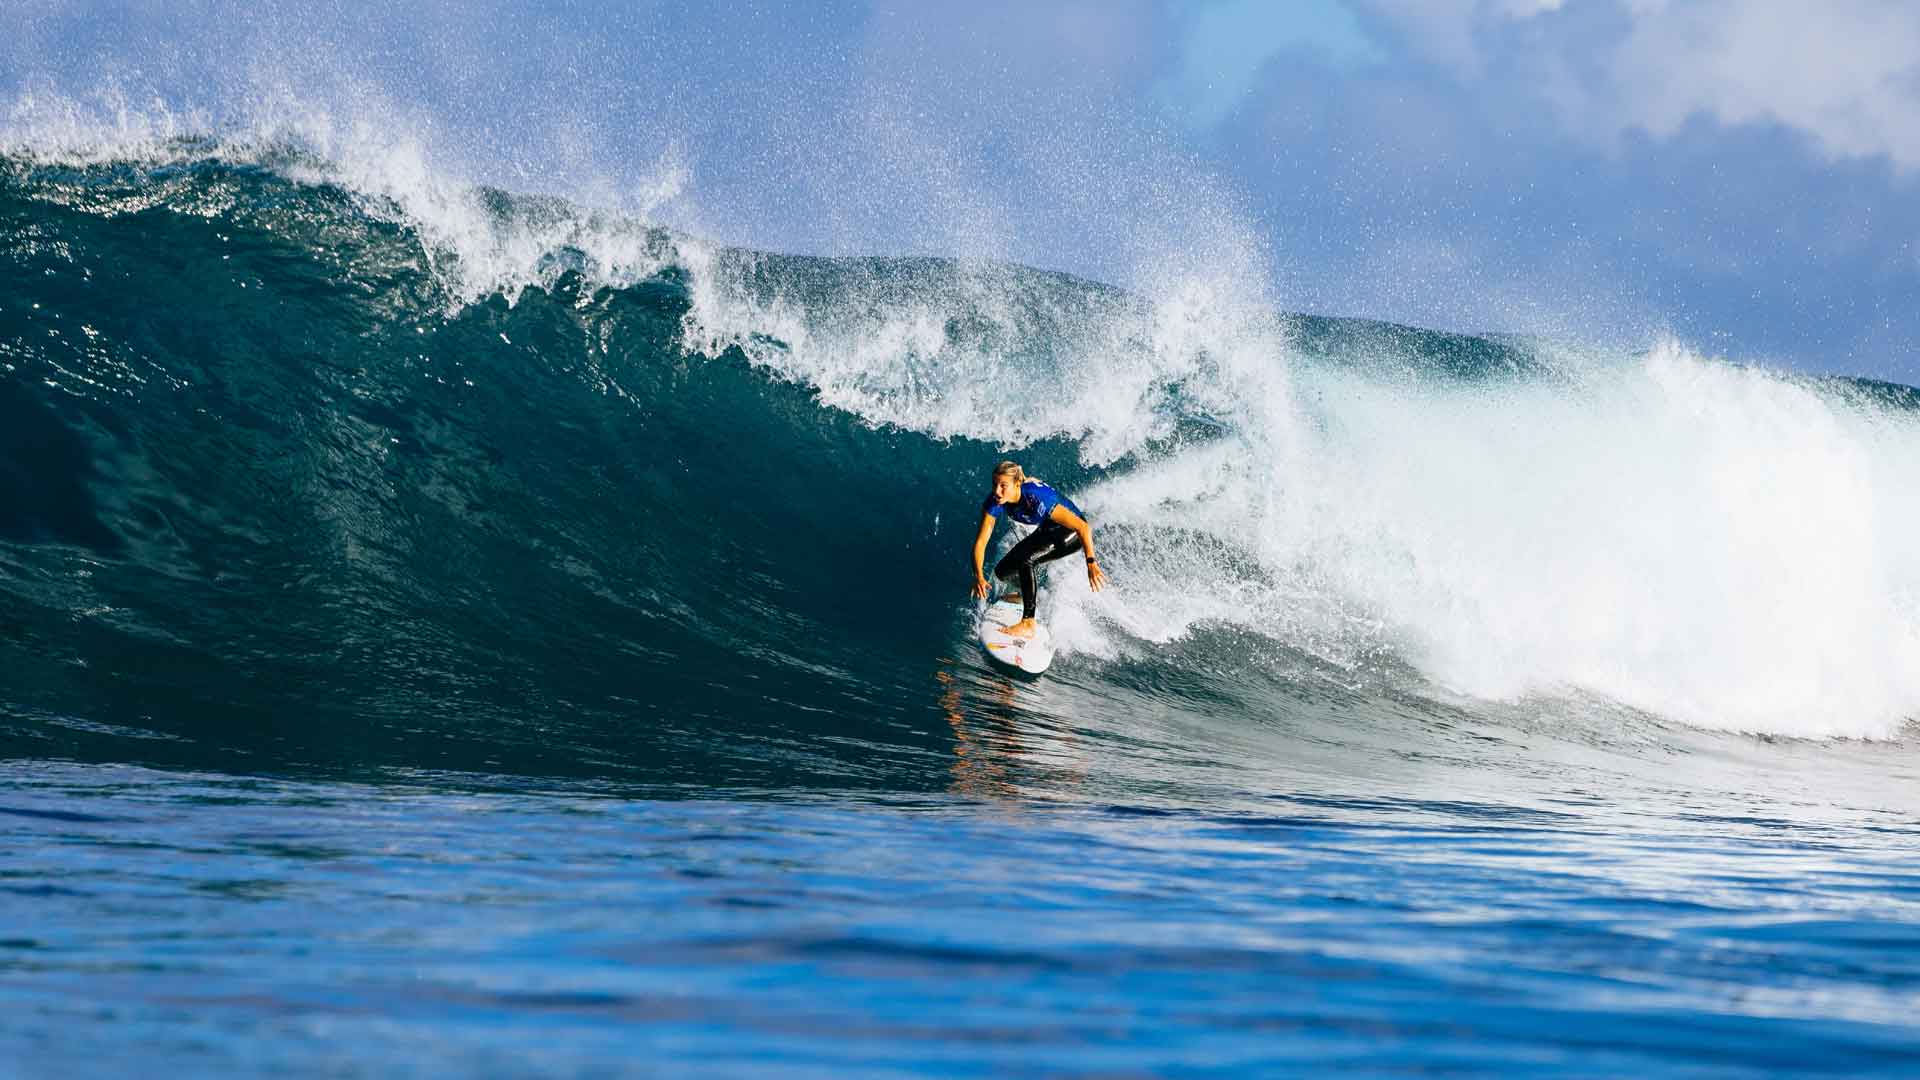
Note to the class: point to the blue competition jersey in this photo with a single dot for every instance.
(1037, 500)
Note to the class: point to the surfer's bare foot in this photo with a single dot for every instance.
(1023, 629)
(1008, 598)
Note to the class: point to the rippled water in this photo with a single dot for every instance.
(217, 923)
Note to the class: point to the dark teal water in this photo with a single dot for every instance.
(406, 672)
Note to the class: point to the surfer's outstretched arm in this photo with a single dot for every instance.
(980, 556)
(1063, 516)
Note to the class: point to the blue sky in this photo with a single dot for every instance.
(1742, 175)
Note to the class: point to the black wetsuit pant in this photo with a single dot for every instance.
(1045, 544)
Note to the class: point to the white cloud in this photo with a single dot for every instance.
(1226, 42)
(1524, 8)
(1438, 30)
(1845, 73)
(995, 48)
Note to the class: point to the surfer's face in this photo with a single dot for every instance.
(1006, 489)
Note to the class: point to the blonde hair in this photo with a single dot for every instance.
(1006, 468)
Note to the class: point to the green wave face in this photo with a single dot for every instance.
(316, 505)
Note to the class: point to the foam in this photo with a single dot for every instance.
(387, 155)
(1724, 546)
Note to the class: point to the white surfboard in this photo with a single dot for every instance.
(1031, 655)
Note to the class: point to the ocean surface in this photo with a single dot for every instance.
(452, 631)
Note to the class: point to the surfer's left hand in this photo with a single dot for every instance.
(1095, 579)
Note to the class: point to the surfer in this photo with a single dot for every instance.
(1061, 531)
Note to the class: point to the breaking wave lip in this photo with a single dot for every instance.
(1715, 544)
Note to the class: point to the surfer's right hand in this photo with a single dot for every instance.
(979, 587)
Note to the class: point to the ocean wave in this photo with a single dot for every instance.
(456, 468)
